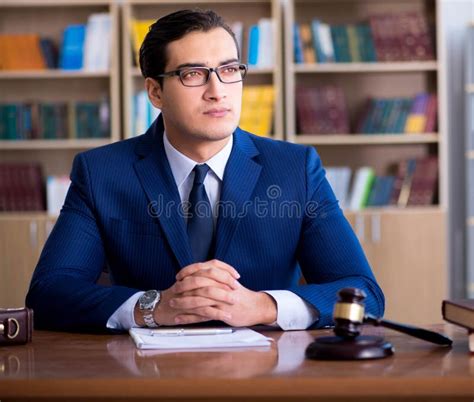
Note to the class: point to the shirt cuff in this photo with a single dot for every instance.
(293, 313)
(123, 318)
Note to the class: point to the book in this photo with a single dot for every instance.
(253, 45)
(361, 188)
(257, 109)
(339, 178)
(97, 43)
(309, 55)
(424, 183)
(21, 52)
(322, 110)
(139, 30)
(297, 44)
(56, 190)
(21, 187)
(460, 312)
(72, 50)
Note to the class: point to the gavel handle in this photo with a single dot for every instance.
(420, 333)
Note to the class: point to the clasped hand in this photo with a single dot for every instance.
(211, 291)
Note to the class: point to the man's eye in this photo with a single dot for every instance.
(231, 69)
(192, 73)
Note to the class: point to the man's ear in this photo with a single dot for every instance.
(154, 91)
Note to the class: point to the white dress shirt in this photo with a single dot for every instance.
(293, 313)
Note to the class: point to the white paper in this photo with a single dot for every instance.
(241, 337)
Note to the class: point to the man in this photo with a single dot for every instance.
(212, 222)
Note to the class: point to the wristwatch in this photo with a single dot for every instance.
(147, 304)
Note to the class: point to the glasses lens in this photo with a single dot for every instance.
(194, 77)
(232, 73)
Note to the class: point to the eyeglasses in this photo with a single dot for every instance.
(198, 76)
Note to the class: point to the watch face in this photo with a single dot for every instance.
(148, 298)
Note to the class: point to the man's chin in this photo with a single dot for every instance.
(216, 132)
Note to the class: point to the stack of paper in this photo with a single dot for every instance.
(152, 339)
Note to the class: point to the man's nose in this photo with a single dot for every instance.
(215, 89)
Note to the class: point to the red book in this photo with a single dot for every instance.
(432, 114)
(424, 183)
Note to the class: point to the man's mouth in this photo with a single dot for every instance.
(217, 112)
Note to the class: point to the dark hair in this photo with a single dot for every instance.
(172, 27)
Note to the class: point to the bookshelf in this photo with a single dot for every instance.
(48, 19)
(469, 160)
(405, 246)
(246, 11)
(23, 234)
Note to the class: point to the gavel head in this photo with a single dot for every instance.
(349, 312)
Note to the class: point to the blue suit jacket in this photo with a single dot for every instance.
(279, 218)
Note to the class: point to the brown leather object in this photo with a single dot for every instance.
(16, 326)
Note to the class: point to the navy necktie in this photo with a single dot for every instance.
(200, 222)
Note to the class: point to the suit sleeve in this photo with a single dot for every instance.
(329, 253)
(63, 291)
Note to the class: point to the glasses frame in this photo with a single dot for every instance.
(243, 67)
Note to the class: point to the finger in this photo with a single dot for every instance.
(209, 312)
(193, 268)
(189, 319)
(202, 297)
(218, 275)
(196, 282)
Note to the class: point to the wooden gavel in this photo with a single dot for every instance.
(349, 316)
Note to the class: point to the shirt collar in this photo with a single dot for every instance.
(182, 166)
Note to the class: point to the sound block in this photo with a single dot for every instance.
(359, 348)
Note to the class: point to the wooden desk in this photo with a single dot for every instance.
(94, 367)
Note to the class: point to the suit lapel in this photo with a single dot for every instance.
(157, 180)
(240, 177)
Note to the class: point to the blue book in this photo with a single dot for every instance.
(254, 34)
(320, 55)
(297, 43)
(72, 50)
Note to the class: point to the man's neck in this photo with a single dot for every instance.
(199, 151)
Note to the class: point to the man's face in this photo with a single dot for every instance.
(210, 112)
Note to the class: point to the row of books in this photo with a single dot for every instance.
(21, 187)
(323, 110)
(400, 115)
(412, 182)
(27, 52)
(87, 46)
(54, 120)
(143, 113)
(83, 47)
(385, 37)
(257, 109)
(256, 115)
(258, 52)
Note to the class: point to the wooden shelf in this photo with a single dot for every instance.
(52, 3)
(25, 215)
(402, 66)
(395, 210)
(52, 74)
(187, 2)
(365, 139)
(7, 145)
